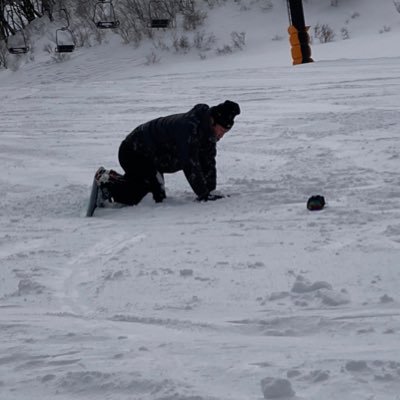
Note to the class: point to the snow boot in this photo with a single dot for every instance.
(100, 195)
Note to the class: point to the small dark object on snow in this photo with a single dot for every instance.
(316, 203)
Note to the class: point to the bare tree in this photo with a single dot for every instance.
(15, 15)
(5, 28)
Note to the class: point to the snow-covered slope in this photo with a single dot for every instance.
(249, 297)
(373, 29)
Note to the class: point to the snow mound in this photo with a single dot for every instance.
(276, 388)
(305, 293)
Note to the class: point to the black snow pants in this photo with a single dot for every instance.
(141, 177)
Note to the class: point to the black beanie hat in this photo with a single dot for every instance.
(224, 113)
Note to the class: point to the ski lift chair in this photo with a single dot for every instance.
(160, 23)
(62, 47)
(20, 48)
(107, 24)
(103, 23)
(159, 18)
(18, 43)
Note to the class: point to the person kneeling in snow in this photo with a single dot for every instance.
(165, 145)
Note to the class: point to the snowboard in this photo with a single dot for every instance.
(92, 205)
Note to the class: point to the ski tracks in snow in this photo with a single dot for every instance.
(184, 301)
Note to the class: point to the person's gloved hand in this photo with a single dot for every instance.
(211, 197)
(159, 196)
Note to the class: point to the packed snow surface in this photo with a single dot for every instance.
(249, 297)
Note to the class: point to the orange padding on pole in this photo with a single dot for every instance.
(300, 43)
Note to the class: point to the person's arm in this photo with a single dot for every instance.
(208, 165)
(204, 173)
(189, 153)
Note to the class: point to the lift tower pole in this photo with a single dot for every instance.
(298, 33)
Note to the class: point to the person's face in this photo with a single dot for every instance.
(219, 131)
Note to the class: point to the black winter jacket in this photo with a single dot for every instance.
(180, 142)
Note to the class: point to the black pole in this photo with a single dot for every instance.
(298, 31)
(297, 14)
